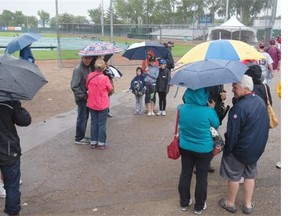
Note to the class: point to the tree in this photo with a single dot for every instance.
(6, 18)
(95, 15)
(44, 17)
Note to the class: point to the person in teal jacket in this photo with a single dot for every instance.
(196, 116)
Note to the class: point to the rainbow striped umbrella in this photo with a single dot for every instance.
(221, 49)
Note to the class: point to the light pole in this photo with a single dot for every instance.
(102, 18)
(58, 36)
(227, 6)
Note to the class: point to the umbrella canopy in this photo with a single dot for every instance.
(19, 79)
(209, 73)
(99, 48)
(138, 51)
(21, 42)
(221, 49)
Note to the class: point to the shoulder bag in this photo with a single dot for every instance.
(272, 116)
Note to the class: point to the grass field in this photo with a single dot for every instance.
(179, 49)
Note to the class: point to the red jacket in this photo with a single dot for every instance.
(99, 87)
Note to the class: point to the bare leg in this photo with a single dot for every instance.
(233, 188)
(248, 187)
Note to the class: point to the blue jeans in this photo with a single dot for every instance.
(82, 119)
(11, 177)
(98, 125)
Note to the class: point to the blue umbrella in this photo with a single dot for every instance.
(21, 42)
(138, 51)
(207, 73)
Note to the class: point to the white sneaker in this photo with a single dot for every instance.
(159, 113)
(2, 192)
(241, 180)
(149, 114)
(152, 113)
(278, 165)
(163, 113)
(200, 212)
(186, 207)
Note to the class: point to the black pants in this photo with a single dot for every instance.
(162, 100)
(190, 159)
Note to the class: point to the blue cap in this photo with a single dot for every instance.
(162, 61)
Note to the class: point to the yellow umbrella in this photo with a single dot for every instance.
(221, 49)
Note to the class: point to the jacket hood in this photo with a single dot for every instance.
(255, 72)
(198, 97)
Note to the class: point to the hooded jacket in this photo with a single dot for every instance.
(247, 129)
(78, 82)
(11, 113)
(195, 120)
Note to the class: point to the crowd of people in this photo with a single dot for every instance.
(246, 133)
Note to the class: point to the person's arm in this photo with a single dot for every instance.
(75, 84)
(21, 116)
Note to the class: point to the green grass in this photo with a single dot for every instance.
(177, 51)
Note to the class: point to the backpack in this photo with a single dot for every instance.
(137, 88)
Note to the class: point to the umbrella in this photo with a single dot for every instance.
(19, 79)
(221, 49)
(22, 41)
(100, 48)
(207, 73)
(138, 51)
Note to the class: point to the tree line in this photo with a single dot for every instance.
(140, 12)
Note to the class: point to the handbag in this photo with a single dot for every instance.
(173, 151)
(218, 141)
(272, 116)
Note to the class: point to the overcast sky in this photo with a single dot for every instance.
(75, 7)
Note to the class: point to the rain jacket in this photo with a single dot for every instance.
(99, 87)
(78, 81)
(11, 113)
(195, 120)
(247, 129)
(163, 80)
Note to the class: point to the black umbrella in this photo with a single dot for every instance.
(19, 79)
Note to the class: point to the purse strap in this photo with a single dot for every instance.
(267, 96)
(177, 120)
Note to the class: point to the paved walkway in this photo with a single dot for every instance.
(132, 177)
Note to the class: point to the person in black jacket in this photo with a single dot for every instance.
(11, 114)
(162, 86)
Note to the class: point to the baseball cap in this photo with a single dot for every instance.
(162, 61)
(261, 45)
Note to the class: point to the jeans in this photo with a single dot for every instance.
(98, 126)
(139, 103)
(190, 159)
(11, 177)
(82, 119)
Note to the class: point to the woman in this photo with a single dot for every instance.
(197, 115)
(99, 87)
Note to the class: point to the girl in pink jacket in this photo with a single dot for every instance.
(99, 87)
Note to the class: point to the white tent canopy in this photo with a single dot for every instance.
(234, 30)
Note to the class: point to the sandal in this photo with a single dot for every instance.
(222, 203)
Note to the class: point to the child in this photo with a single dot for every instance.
(138, 88)
(162, 86)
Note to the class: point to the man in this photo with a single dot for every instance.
(78, 87)
(275, 54)
(266, 65)
(169, 58)
(11, 114)
(245, 141)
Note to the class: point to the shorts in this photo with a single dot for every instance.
(232, 169)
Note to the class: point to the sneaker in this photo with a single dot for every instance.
(110, 115)
(84, 141)
(246, 210)
(211, 169)
(163, 113)
(152, 113)
(241, 180)
(278, 165)
(20, 182)
(2, 192)
(149, 114)
(102, 147)
(200, 212)
(185, 208)
(159, 113)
